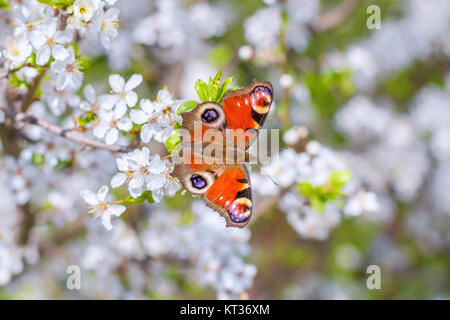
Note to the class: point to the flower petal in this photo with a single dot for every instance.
(147, 133)
(37, 38)
(108, 101)
(116, 209)
(100, 130)
(112, 135)
(120, 109)
(102, 192)
(133, 82)
(105, 41)
(89, 93)
(147, 106)
(42, 56)
(62, 81)
(118, 179)
(122, 164)
(106, 221)
(58, 66)
(117, 83)
(50, 28)
(138, 116)
(133, 165)
(89, 197)
(85, 106)
(171, 186)
(131, 98)
(157, 165)
(136, 182)
(155, 182)
(59, 52)
(64, 37)
(134, 192)
(125, 124)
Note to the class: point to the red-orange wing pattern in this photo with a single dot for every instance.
(247, 108)
(231, 196)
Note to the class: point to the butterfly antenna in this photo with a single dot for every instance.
(272, 179)
(260, 167)
(268, 176)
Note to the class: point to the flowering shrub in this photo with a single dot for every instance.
(92, 93)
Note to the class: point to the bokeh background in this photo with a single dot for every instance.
(375, 102)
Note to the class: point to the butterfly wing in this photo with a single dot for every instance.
(226, 189)
(247, 108)
(231, 195)
(196, 123)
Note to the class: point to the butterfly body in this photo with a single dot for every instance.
(213, 150)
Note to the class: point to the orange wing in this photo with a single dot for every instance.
(247, 108)
(231, 195)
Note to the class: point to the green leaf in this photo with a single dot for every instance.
(187, 218)
(202, 90)
(63, 164)
(32, 59)
(339, 178)
(307, 190)
(218, 76)
(84, 62)
(38, 159)
(319, 196)
(74, 46)
(4, 4)
(145, 196)
(172, 141)
(233, 88)
(17, 82)
(87, 118)
(62, 3)
(318, 204)
(213, 90)
(223, 89)
(329, 90)
(187, 106)
(213, 87)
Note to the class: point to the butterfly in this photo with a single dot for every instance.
(214, 148)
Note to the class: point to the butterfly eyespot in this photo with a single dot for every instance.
(209, 115)
(198, 181)
(261, 97)
(239, 210)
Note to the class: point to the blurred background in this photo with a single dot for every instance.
(352, 94)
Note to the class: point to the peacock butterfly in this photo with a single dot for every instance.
(213, 150)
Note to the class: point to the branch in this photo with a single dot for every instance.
(335, 16)
(29, 98)
(22, 118)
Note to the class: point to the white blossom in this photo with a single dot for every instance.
(84, 9)
(122, 93)
(100, 207)
(49, 42)
(141, 172)
(363, 201)
(106, 24)
(67, 72)
(109, 124)
(17, 49)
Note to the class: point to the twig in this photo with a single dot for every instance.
(334, 16)
(22, 118)
(29, 98)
